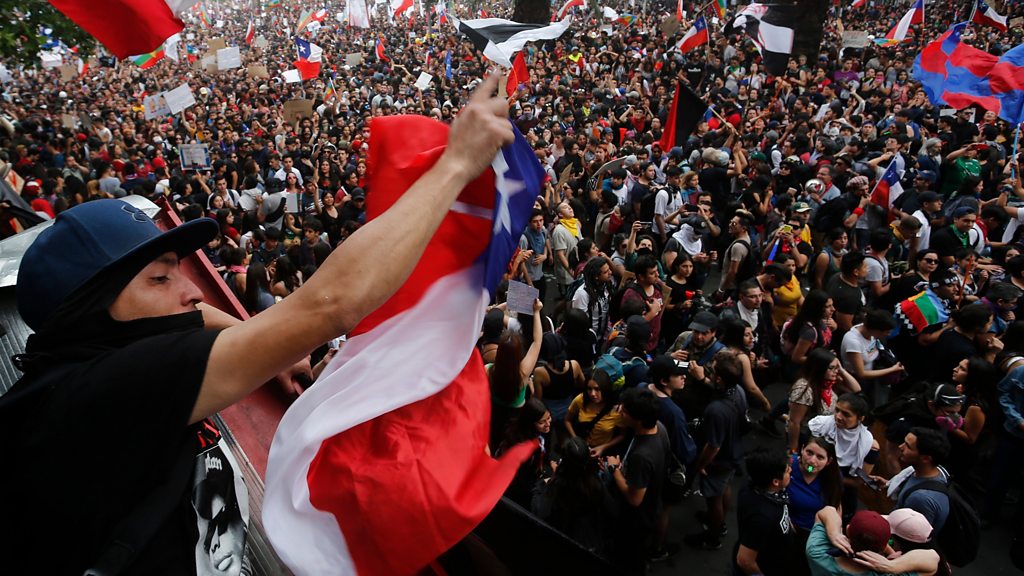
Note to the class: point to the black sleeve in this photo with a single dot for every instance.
(757, 532)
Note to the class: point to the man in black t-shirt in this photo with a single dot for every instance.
(103, 432)
(639, 476)
(847, 297)
(720, 457)
(767, 541)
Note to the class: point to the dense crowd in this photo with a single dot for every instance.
(677, 284)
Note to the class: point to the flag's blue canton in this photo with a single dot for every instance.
(304, 49)
(517, 179)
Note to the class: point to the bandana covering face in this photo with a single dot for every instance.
(572, 225)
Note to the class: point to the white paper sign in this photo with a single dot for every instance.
(855, 39)
(156, 106)
(228, 58)
(423, 82)
(521, 297)
(291, 76)
(180, 98)
(261, 42)
(195, 157)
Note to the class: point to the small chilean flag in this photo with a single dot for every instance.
(888, 188)
(913, 16)
(376, 471)
(985, 14)
(679, 10)
(127, 27)
(379, 51)
(399, 6)
(695, 36)
(250, 33)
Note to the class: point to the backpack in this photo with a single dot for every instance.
(613, 368)
(630, 366)
(960, 536)
(750, 265)
(614, 306)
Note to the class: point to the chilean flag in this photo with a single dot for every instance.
(858, 3)
(985, 14)
(913, 16)
(564, 10)
(399, 6)
(888, 188)
(695, 36)
(380, 466)
(127, 27)
(379, 51)
(250, 33)
(518, 75)
(310, 57)
(679, 10)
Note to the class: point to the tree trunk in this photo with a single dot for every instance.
(532, 12)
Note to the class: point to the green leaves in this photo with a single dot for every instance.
(21, 22)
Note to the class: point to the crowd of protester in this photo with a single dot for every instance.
(677, 286)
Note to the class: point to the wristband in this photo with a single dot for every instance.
(858, 211)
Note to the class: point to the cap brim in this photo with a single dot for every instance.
(699, 327)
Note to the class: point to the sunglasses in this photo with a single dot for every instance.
(219, 524)
(930, 260)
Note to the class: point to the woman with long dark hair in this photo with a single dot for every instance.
(813, 394)
(738, 337)
(558, 379)
(976, 378)
(286, 279)
(811, 328)
(257, 289)
(531, 422)
(510, 373)
(816, 482)
(683, 291)
(592, 415)
(574, 500)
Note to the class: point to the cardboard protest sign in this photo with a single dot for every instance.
(68, 121)
(216, 44)
(258, 71)
(68, 72)
(228, 58)
(353, 59)
(669, 26)
(296, 110)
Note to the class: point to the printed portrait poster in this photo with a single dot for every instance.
(156, 106)
(221, 502)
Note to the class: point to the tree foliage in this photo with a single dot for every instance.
(21, 22)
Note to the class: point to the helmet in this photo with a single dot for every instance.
(814, 186)
(792, 160)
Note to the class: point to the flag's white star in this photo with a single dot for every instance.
(507, 188)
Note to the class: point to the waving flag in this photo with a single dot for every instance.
(442, 13)
(695, 36)
(679, 10)
(150, 59)
(686, 111)
(358, 15)
(448, 64)
(204, 16)
(250, 33)
(858, 3)
(399, 6)
(919, 312)
(888, 188)
(771, 28)
(378, 50)
(913, 16)
(564, 10)
(273, 4)
(171, 47)
(959, 76)
(986, 15)
(518, 75)
(127, 27)
(309, 16)
(626, 19)
(500, 39)
(719, 7)
(310, 57)
(331, 92)
(379, 473)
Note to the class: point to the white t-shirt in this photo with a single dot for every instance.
(878, 270)
(665, 203)
(926, 230)
(867, 347)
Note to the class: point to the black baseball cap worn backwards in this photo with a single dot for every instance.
(90, 240)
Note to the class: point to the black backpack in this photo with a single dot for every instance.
(960, 536)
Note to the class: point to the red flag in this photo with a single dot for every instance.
(250, 33)
(307, 69)
(518, 75)
(125, 27)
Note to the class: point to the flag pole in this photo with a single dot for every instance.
(974, 10)
(1016, 144)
